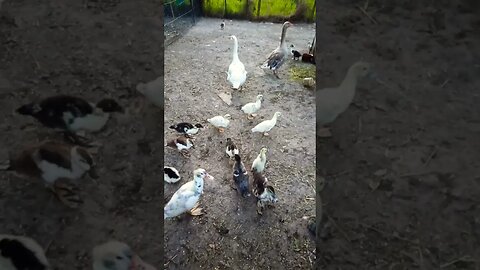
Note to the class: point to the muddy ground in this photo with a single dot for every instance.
(402, 169)
(91, 49)
(231, 235)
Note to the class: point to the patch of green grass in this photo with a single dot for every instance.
(269, 9)
(300, 72)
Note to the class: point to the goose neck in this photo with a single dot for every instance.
(350, 81)
(284, 33)
(198, 182)
(235, 50)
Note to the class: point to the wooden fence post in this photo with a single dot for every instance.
(258, 8)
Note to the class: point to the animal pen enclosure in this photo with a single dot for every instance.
(231, 235)
(179, 16)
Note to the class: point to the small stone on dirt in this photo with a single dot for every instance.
(381, 172)
(226, 97)
(120, 166)
(374, 183)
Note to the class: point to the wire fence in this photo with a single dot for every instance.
(180, 15)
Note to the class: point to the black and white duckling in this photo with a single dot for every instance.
(232, 149)
(308, 58)
(186, 198)
(21, 253)
(264, 193)
(71, 114)
(54, 162)
(296, 55)
(222, 25)
(240, 176)
(187, 129)
(116, 255)
(182, 144)
(260, 161)
(170, 175)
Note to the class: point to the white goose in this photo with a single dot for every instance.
(236, 74)
(332, 102)
(153, 91)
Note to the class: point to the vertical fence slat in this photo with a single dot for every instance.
(259, 6)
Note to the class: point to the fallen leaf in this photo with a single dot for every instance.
(226, 97)
(381, 172)
(380, 108)
(374, 183)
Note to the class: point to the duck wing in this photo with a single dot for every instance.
(275, 59)
(63, 103)
(59, 158)
(184, 192)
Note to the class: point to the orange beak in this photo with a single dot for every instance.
(209, 177)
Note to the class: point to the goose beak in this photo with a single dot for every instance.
(209, 177)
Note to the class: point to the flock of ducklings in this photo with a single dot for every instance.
(186, 198)
(56, 164)
(331, 102)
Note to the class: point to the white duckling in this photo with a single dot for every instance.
(331, 102)
(21, 253)
(220, 122)
(267, 125)
(54, 161)
(236, 74)
(186, 198)
(170, 175)
(232, 149)
(153, 91)
(259, 162)
(251, 108)
(116, 255)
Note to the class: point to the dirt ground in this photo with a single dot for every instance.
(91, 49)
(231, 235)
(402, 169)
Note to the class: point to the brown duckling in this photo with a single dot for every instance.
(53, 162)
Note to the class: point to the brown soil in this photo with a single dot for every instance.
(402, 169)
(231, 235)
(91, 49)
